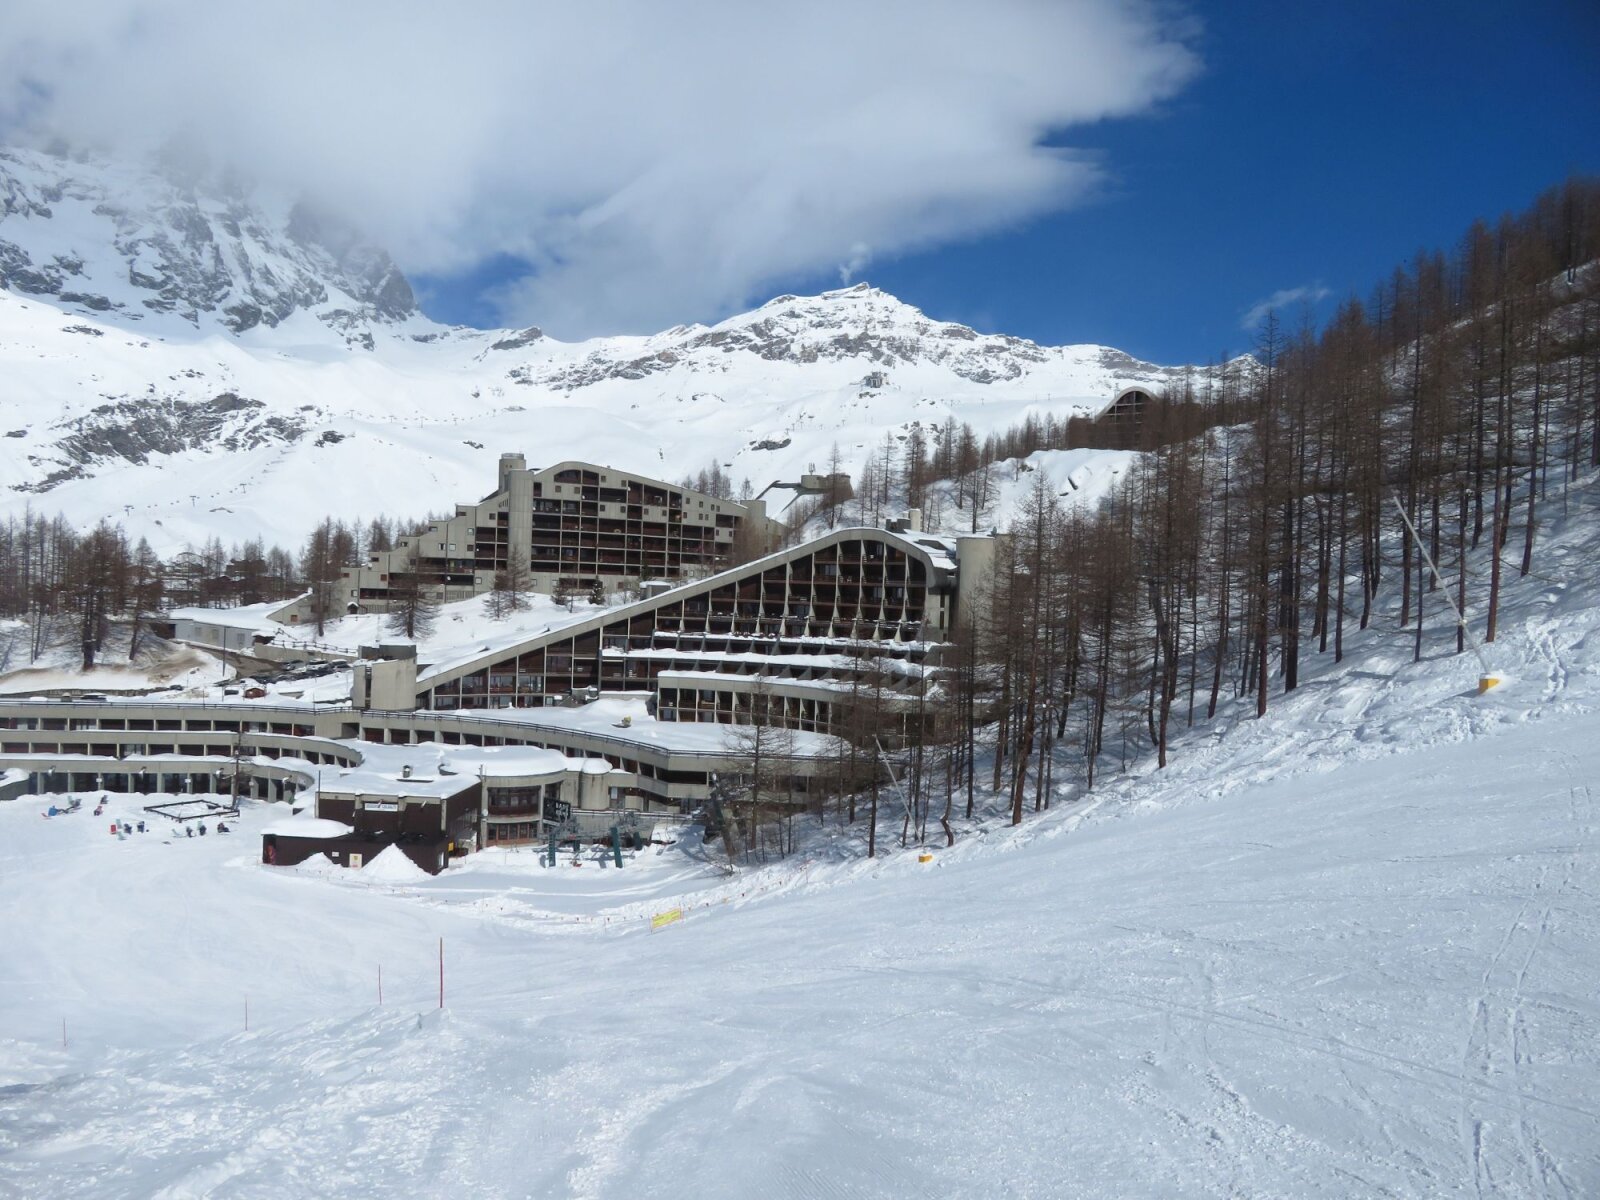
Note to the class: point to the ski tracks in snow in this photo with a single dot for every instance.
(1497, 1038)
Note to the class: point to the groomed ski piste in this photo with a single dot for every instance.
(1348, 950)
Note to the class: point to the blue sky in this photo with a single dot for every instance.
(1319, 146)
(606, 168)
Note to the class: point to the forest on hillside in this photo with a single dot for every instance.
(1276, 499)
(1436, 421)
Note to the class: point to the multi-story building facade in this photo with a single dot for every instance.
(512, 742)
(789, 639)
(574, 525)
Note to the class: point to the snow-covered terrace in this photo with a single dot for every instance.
(603, 718)
(831, 663)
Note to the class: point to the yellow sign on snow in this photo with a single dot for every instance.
(666, 918)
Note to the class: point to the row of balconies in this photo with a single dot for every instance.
(157, 724)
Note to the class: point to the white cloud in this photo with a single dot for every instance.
(1281, 300)
(654, 162)
(860, 257)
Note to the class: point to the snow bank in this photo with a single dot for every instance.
(319, 866)
(392, 866)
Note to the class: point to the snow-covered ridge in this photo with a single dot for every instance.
(195, 360)
(860, 324)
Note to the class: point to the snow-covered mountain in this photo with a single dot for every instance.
(190, 358)
(135, 243)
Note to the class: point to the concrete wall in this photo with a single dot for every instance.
(975, 569)
(519, 517)
(389, 685)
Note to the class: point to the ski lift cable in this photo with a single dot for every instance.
(883, 755)
(1461, 619)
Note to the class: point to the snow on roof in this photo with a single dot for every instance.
(819, 662)
(440, 771)
(603, 717)
(710, 679)
(365, 781)
(466, 632)
(308, 827)
(246, 616)
(941, 551)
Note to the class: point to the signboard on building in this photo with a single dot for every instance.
(557, 811)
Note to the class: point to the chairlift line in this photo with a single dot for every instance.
(883, 755)
(1488, 678)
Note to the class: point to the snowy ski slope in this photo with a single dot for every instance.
(1348, 950)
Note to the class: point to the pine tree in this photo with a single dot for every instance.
(512, 585)
(144, 591)
(413, 609)
(320, 570)
(761, 797)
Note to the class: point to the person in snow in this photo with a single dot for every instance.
(202, 829)
(188, 831)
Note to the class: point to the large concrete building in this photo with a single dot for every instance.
(575, 524)
(613, 716)
(788, 639)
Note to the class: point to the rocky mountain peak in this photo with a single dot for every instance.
(135, 243)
